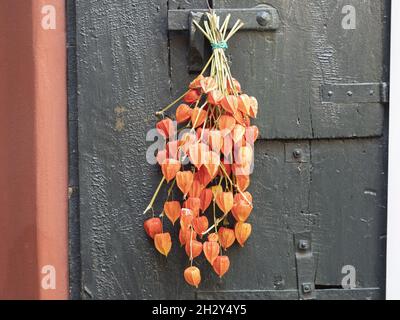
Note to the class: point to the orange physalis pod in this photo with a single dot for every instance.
(246, 196)
(185, 234)
(236, 85)
(227, 145)
(183, 113)
(216, 190)
(172, 149)
(186, 141)
(195, 84)
(239, 117)
(242, 182)
(197, 154)
(215, 140)
(238, 133)
(163, 243)
(208, 84)
(242, 232)
(253, 107)
(245, 155)
(246, 121)
(184, 181)
(203, 176)
(213, 237)
(202, 134)
(251, 134)
(186, 218)
(161, 156)
(166, 128)
(226, 124)
(241, 170)
(228, 169)
(195, 190)
(193, 204)
(194, 247)
(244, 104)
(205, 199)
(212, 161)
(230, 104)
(211, 250)
(221, 265)
(172, 210)
(226, 237)
(214, 97)
(153, 226)
(225, 201)
(192, 96)
(170, 168)
(241, 207)
(198, 117)
(192, 276)
(200, 225)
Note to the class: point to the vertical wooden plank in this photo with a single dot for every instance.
(349, 199)
(393, 259)
(73, 163)
(123, 79)
(342, 55)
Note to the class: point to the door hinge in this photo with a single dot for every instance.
(259, 18)
(305, 266)
(347, 93)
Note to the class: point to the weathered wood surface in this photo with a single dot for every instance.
(129, 66)
(286, 68)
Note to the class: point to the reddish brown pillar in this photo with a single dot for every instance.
(33, 156)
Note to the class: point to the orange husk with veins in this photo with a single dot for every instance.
(192, 276)
(163, 243)
(153, 226)
(172, 210)
(200, 224)
(226, 237)
(193, 248)
(242, 232)
(211, 250)
(225, 201)
(206, 162)
(221, 265)
(184, 181)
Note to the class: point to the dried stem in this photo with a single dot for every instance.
(150, 206)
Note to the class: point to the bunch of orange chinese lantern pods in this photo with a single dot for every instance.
(210, 163)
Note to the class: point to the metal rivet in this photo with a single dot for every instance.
(306, 287)
(263, 18)
(297, 153)
(303, 245)
(330, 93)
(349, 93)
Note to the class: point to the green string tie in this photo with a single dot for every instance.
(219, 45)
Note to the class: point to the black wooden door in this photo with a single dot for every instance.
(320, 182)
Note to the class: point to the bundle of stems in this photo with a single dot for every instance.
(218, 36)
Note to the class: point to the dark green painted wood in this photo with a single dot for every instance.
(285, 69)
(73, 163)
(129, 66)
(348, 198)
